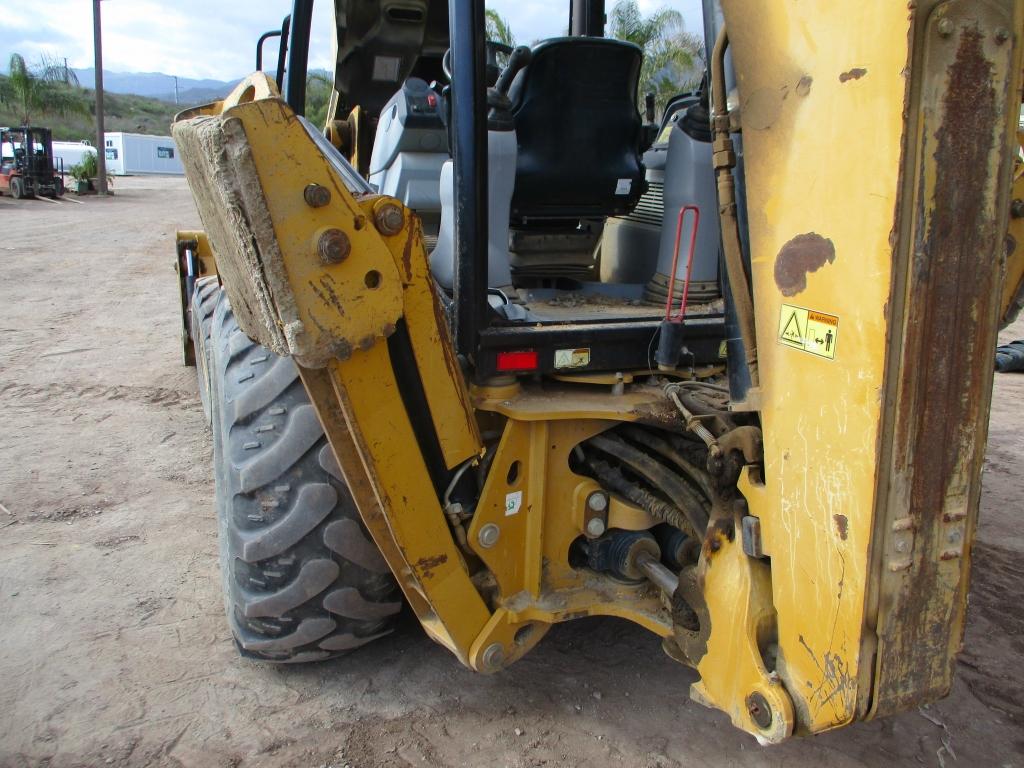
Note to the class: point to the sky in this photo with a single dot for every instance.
(216, 38)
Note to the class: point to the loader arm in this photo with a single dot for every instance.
(832, 575)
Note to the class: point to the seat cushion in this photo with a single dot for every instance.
(578, 129)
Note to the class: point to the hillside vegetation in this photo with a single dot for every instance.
(141, 114)
(131, 114)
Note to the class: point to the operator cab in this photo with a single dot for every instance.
(583, 195)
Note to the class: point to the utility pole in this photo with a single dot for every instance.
(175, 88)
(101, 145)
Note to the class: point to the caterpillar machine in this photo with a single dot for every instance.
(494, 343)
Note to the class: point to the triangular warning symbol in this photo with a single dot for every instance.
(791, 332)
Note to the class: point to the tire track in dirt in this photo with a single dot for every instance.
(37, 394)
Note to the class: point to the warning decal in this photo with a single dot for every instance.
(811, 331)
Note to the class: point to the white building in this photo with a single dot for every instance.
(131, 153)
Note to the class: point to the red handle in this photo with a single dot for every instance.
(675, 263)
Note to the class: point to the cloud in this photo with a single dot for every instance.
(217, 38)
(189, 38)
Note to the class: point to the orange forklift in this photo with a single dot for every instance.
(26, 163)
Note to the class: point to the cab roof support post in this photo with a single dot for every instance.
(469, 150)
(586, 18)
(298, 55)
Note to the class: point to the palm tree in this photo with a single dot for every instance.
(673, 57)
(48, 88)
(496, 28)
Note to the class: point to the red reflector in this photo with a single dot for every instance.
(523, 360)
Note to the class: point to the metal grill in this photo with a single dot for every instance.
(651, 206)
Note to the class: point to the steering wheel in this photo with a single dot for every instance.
(492, 49)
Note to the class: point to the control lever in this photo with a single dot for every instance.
(517, 61)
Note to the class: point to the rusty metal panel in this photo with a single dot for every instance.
(957, 173)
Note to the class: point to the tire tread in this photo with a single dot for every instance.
(302, 579)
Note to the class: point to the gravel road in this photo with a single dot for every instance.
(114, 649)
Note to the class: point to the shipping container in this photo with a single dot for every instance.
(131, 153)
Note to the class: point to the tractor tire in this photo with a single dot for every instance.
(203, 304)
(302, 579)
(17, 188)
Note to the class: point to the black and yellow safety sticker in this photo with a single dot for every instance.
(811, 331)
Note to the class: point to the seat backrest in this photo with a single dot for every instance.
(578, 129)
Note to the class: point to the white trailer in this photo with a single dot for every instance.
(68, 153)
(131, 153)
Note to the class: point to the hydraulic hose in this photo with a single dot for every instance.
(725, 161)
(660, 446)
(613, 479)
(696, 508)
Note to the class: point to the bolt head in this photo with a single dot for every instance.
(595, 527)
(333, 247)
(597, 502)
(316, 195)
(945, 27)
(494, 657)
(389, 219)
(489, 535)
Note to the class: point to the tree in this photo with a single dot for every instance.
(496, 28)
(48, 88)
(319, 87)
(673, 57)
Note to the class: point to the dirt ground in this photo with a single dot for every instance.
(114, 648)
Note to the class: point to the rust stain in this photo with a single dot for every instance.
(842, 525)
(852, 74)
(407, 255)
(800, 256)
(425, 565)
(940, 422)
(719, 532)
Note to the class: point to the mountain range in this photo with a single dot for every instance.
(157, 85)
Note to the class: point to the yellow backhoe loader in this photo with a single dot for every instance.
(497, 343)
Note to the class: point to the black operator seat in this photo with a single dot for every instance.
(579, 130)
